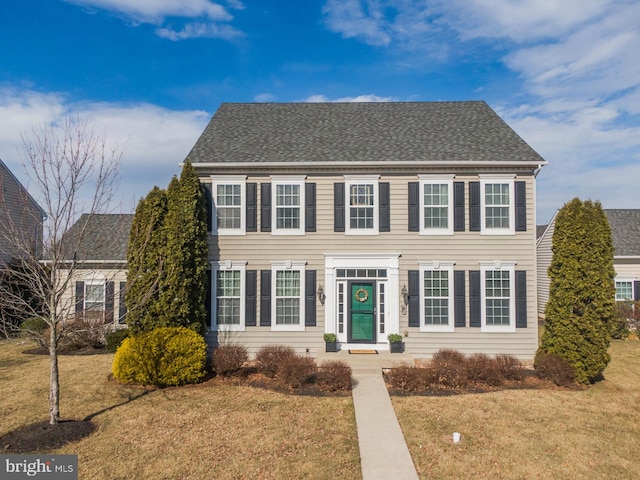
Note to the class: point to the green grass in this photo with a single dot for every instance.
(199, 431)
(524, 434)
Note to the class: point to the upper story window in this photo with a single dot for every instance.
(498, 209)
(229, 295)
(624, 290)
(288, 205)
(437, 296)
(229, 205)
(436, 204)
(498, 296)
(362, 204)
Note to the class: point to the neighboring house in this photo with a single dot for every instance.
(365, 219)
(21, 219)
(99, 244)
(625, 233)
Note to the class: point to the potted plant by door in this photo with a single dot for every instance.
(330, 342)
(395, 343)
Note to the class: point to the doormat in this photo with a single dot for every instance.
(363, 352)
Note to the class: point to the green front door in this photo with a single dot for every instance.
(362, 318)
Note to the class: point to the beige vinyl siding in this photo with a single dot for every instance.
(466, 249)
(544, 256)
(627, 268)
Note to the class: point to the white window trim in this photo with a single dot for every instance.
(493, 266)
(437, 180)
(229, 180)
(288, 265)
(92, 279)
(626, 279)
(287, 180)
(497, 179)
(437, 265)
(355, 180)
(228, 265)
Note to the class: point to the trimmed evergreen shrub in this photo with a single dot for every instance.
(115, 339)
(510, 367)
(34, 324)
(269, 359)
(164, 356)
(552, 367)
(228, 360)
(483, 369)
(334, 376)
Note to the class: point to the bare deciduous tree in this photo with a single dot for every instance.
(73, 170)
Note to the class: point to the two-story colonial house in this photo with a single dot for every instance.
(365, 219)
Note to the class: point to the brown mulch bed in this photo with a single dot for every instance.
(71, 351)
(43, 437)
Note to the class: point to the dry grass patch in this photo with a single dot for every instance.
(199, 431)
(524, 434)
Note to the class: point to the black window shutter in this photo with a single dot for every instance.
(250, 300)
(459, 299)
(208, 197)
(475, 304)
(122, 303)
(309, 207)
(79, 296)
(252, 207)
(207, 299)
(414, 206)
(384, 210)
(109, 295)
(338, 207)
(458, 206)
(636, 290)
(474, 206)
(521, 299)
(265, 298)
(414, 298)
(521, 206)
(265, 207)
(310, 298)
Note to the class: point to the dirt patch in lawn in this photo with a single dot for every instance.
(42, 437)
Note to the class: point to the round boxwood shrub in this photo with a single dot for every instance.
(164, 356)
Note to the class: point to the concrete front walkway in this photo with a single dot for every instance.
(383, 449)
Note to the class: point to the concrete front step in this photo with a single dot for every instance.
(383, 359)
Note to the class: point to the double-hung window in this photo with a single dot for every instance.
(288, 205)
(362, 204)
(94, 294)
(436, 279)
(229, 295)
(498, 206)
(498, 296)
(624, 290)
(436, 204)
(229, 205)
(288, 296)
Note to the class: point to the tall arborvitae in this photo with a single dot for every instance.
(581, 304)
(183, 295)
(146, 262)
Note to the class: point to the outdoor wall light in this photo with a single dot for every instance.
(321, 295)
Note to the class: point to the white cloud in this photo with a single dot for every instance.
(155, 140)
(359, 98)
(264, 97)
(208, 16)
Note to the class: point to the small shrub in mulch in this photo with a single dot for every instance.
(411, 379)
(450, 368)
(228, 360)
(483, 369)
(297, 371)
(510, 367)
(334, 376)
(552, 367)
(269, 359)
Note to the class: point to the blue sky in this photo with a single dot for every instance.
(150, 73)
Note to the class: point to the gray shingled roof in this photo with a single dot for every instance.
(359, 132)
(625, 231)
(106, 236)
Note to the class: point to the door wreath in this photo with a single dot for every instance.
(362, 295)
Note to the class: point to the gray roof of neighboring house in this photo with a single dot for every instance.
(625, 230)
(100, 237)
(433, 132)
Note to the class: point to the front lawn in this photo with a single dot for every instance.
(523, 434)
(198, 431)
